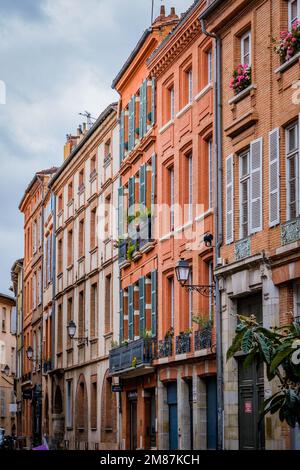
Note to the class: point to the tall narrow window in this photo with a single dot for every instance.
(3, 321)
(81, 181)
(59, 255)
(211, 295)
(107, 226)
(70, 191)
(60, 203)
(69, 318)
(93, 229)
(172, 102)
(210, 173)
(59, 328)
(39, 286)
(93, 310)
(81, 238)
(93, 407)
(171, 197)
(190, 186)
(70, 247)
(293, 12)
(246, 48)
(69, 412)
(292, 155)
(107, 304)
(171, 297)
(209, 67)
(190, 293)
(81, 315)
(93, 170)
(244, 194)
(34, 291)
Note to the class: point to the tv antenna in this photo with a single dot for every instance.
(89, 118)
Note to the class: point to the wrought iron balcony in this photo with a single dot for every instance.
(145, 231)
(290, 231)
(203, 339)
(123, 251)
(132, 359)
(165, 347)
(183, 343)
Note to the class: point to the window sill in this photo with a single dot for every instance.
(166, 126)
(94, 340)
(184, 110)
(288, 64)
(242, 94)
(203, 92)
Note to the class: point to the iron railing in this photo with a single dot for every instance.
(123, 251)
(202, 339)
(165, 347)
(132, 355)
(183, 343)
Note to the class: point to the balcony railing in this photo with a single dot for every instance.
(165, 347)
(123, 251)
(145, 231)
(290, 231)
(202, 339)
(183, 343)
(134, 355)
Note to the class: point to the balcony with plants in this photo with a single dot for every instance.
(287, 46)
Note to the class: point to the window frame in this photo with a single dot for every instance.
(244, 36)
(289, 154)
(290, 21)
(242, 180)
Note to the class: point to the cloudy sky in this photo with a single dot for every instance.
(57, 58)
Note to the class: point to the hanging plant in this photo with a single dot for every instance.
(288, 44)
(241, 78)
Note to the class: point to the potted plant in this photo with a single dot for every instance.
(241, 78)
(288, 44)
(130, 250)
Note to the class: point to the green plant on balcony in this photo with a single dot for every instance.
(241, 78)
(134, 362)
(124, 343)
(114, 344)
(202, 321)
(170, 333)
(279, 349)
(147, 334)
(130, 250)
(288, 44)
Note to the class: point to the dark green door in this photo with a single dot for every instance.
(251, 387)
(173, 418)
(211, 400)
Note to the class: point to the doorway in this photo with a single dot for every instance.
(132, 396)
(250, 387)
(173, 417)
(211, 407)
(150, 418)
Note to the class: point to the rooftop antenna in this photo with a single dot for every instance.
(89, 118)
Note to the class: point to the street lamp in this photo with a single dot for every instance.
(6, 370)
(29, 353)
(71, 328)
(183, 271)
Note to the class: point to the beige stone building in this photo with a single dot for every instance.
(7, 363)
(86, 287)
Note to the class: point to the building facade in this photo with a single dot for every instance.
(259, 267)
(31, 206)
(132, 360)
(7, 364)
(84, 409)
(186, 366)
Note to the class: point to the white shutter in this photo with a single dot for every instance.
(229, 199)
(256, 185)
(274, 169)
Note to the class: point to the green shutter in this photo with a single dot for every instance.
(121, 315)
(153, 302)
(141, 123)
(153, 193)
(121, 212)
(142, 304)
(130, 312)
(122, 129)
(153, 102)
(145, 107)
(131, 184)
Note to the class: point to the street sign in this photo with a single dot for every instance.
(27, 394)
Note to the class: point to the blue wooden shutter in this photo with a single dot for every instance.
(131, 184)
(122, 136)
(153, 192)
(145, 107)
(143, 187)
(131, 133)
(121, 315)
(142, 305)
(130, 312)
(121, 212)
(141, 122)
(153, 102)
(153, 302)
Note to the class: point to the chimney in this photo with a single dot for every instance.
(173, 11)
(162, 10)
(71, 142)
(84, 127)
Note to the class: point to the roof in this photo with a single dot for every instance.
(49, 171)
(133, 54)
(110, 108)
(7, 297)
(183, 19)
(212, 4)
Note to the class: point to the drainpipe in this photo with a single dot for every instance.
(218, 225)
(53, 207)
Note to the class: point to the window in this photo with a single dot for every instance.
(107, 221)
(107, 326)
(244, 193)
(39, 348)
(190, 186)
(81, 181)
(292, 155)
(93, 408)
(187, 86)
(81, 238)
(81, 315)
(39, 286)
(297, 302)
(93, 311)
(246, 48)
(171, 197)
(293, 12)
(69, 318)
(2, 403)
(93, 170)
(210, 283)
(107, 146)
(4, 319)
(70, 247)
(209, 66)
(171, 103)
(59, 255)
(59, 328)
(70, 191)
(210, 173)
(34, 291)
(93, 229)
(34, 237)
(171, 296)
(190, 294)
(34, 354)
(69, 413)
(60, 203)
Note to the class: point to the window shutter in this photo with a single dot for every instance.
(153, 102)
(274, 184)
(121, 315)
(122, 129)
(229, 199)
(131, 129)
(143, 187)
(153, 192)
(256, 185)
(153, 302)
(141, 122)
(145, 107)
(121, 212)
(130, 312)
(131, 185)
(142, 304)
(48, 259)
